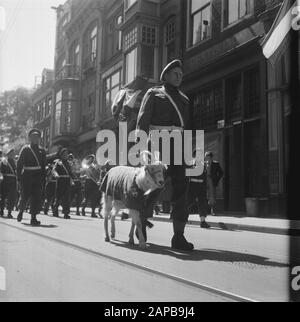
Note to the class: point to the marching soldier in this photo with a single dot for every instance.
(31, 173)
(9, 185)
(49, 189)
(63, 174)
(91, 174)
(76, 189)
(167, 108)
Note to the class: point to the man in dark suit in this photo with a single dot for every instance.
(214, 175)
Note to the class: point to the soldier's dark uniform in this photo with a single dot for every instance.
(91, 189)
(63, 187)
(9, 186)
(158, 113)
(31, 173)
(49, 189)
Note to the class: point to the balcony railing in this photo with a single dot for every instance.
(90, 62)
(68, 72)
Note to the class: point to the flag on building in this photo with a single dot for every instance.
(278, 34)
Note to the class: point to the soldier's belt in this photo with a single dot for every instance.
(32, 168)
(64, 176)
(197, 180)
(9, 175)
(166, 128)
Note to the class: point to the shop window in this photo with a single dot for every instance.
(252, 92)
(234, 98)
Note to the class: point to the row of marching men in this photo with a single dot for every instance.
(30, 182)
(68, 181)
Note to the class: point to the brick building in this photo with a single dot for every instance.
(103, 45)
(42, 102)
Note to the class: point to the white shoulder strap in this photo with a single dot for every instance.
(37, 160)
(175, 106)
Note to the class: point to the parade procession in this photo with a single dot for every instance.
(146, 152)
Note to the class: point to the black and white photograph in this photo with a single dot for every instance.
(148, 153)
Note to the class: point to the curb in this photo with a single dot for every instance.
(230, 226)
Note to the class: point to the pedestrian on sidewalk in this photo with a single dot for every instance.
(9, 184)
(214, 175)
(31, 174)
(198, 192)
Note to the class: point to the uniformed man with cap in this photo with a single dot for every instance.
(63, 174)
(31, 173)
(91, 174)
(9, 185)
(167, 108)
(76, 189)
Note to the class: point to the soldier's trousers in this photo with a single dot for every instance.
(8, 193)
(62, 195)
(49, 195)
(31, 190)
(91, 194)
(198, 196)
(76, 194)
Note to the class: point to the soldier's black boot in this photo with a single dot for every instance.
(9, 216)
(178, 241)
(34, 222)
(1, 213)
(20, 216)
(55, 212)
(78, 212)
(94, 214)
(66, 216)
(83, 212)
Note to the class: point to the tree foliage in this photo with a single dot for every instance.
(15, 114)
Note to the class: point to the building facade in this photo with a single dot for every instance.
(42, 103)
(103, 45)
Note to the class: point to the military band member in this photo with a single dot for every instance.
(167, 108)
(63, 174)
(91, 174)
(9, 184)
(49, 189)
(31, 173)
(76, 189)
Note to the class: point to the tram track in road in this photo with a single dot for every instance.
(224, 295)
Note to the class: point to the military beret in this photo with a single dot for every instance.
(173, 64)
(34, 132)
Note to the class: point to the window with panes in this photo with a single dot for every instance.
(112, 86)
(200, 13)
(235, 10)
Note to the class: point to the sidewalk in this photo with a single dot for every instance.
(227, 222)
(239, 222)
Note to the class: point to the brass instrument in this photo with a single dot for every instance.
(91, 169)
